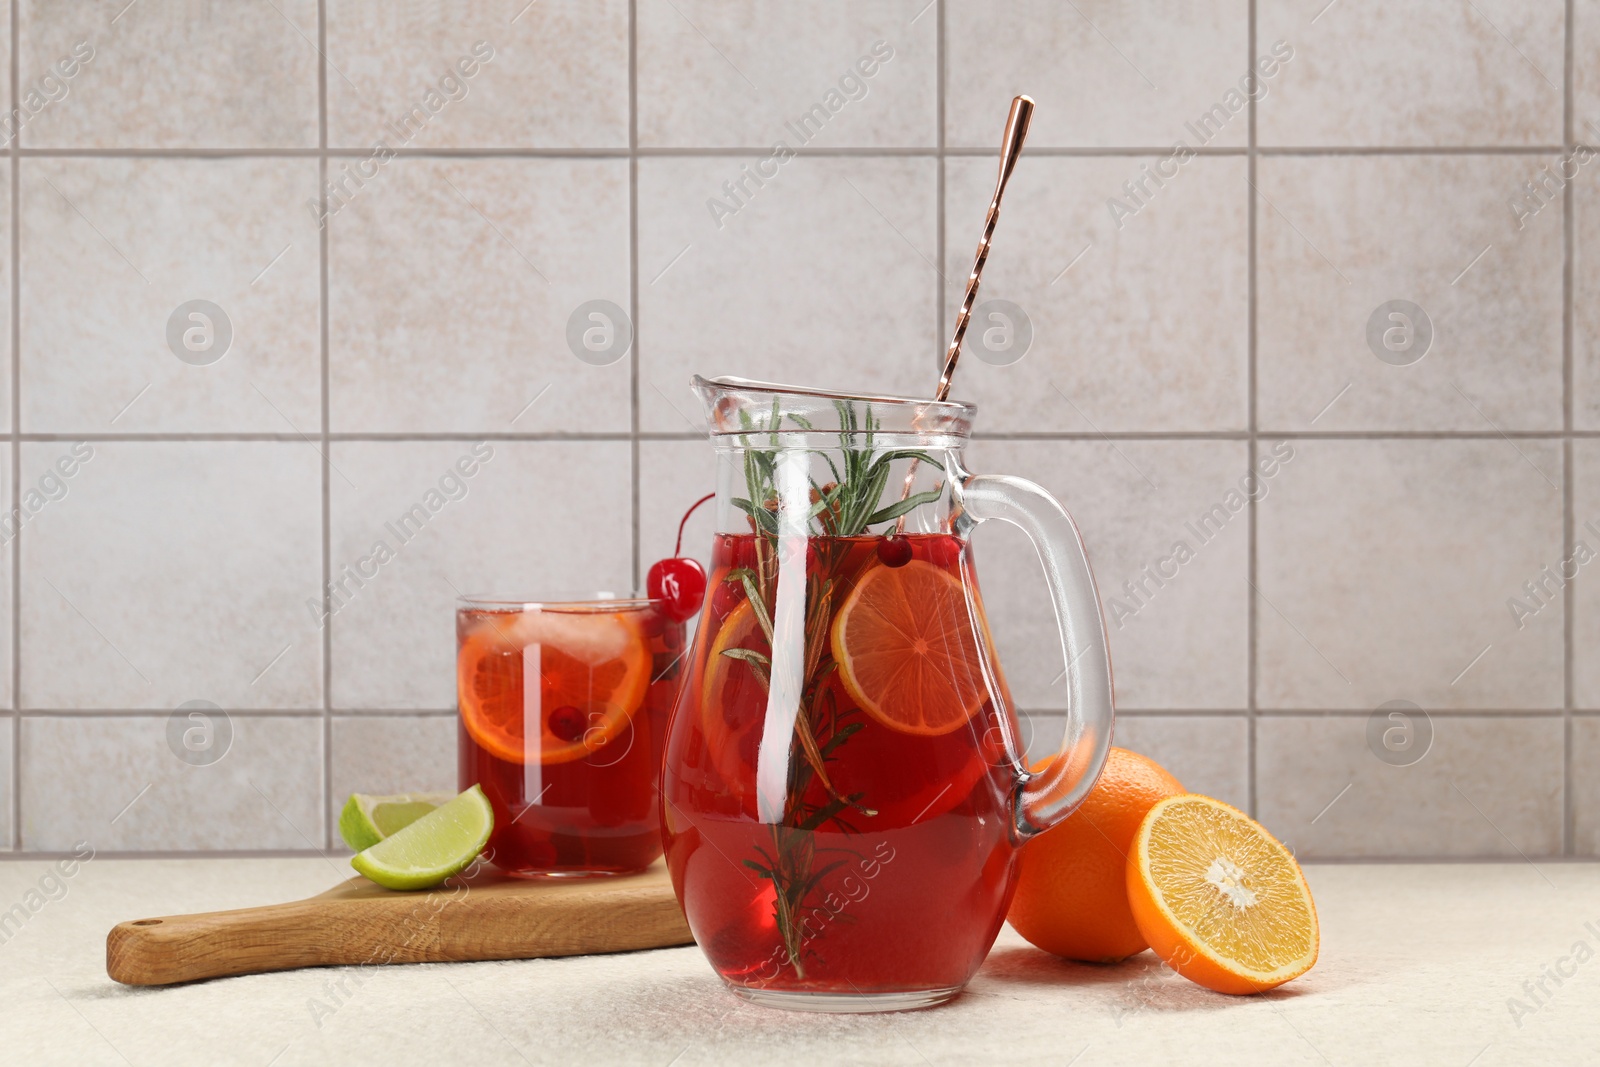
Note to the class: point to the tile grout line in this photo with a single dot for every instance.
(633, 280)
(327, 515)
(1252, 617)
(16, 448)
(1568, 514)
(423, 436)
(249, 713)
(939, 178)
(738, 151)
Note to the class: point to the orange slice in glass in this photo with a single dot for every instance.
(592, 670)
(1218, 898)
(906, 651)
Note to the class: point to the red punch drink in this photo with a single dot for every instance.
(803, 850)
(563, 717)
(845, 787)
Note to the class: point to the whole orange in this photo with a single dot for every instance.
(1072, 895)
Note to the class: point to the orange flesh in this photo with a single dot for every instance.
(906, 651)
(596, 663)
(1219, 898)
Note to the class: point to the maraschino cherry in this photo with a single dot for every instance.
(679, 583)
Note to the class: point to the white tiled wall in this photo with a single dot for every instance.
(1191, 316)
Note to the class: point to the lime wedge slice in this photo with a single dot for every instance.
(367, 819)
(441, 843)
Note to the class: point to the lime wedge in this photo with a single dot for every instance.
(441, 843)
(366, 819)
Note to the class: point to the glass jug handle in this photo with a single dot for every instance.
(1052, 794)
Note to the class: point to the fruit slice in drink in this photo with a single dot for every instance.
(734, 697)
(591, 668)
(901, 714)
(906, 652)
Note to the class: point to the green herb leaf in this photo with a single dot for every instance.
(808, 744)
(906, 453)
(765, 521)
(900, 507)
(833, 807)
(758, 664)
(844, 734)
(747, 577)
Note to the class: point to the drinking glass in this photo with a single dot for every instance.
(562, 715)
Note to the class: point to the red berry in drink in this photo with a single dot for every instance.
(566, 722)
(894, 551)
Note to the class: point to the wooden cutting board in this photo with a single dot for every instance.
(488, 916)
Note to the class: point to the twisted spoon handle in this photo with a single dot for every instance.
(1010, 149)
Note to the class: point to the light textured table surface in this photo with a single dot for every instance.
(1418, 965)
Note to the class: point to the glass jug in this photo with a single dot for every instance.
(844, 790)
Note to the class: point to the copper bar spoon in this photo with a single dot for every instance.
(1010, 150)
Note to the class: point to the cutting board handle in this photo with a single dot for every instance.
(184, 948)
(485, 917)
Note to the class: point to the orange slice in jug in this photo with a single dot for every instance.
(906, 651)
(591, 668)
(733, 699)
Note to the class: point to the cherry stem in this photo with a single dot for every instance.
(677, 549)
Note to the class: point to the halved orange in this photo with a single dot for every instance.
(592, 669)
(906, 651)
(1218, 898)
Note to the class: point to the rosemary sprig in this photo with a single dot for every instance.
(846, 507)
(747, 578)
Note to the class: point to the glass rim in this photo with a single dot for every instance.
(573, 603)
(903, 416)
